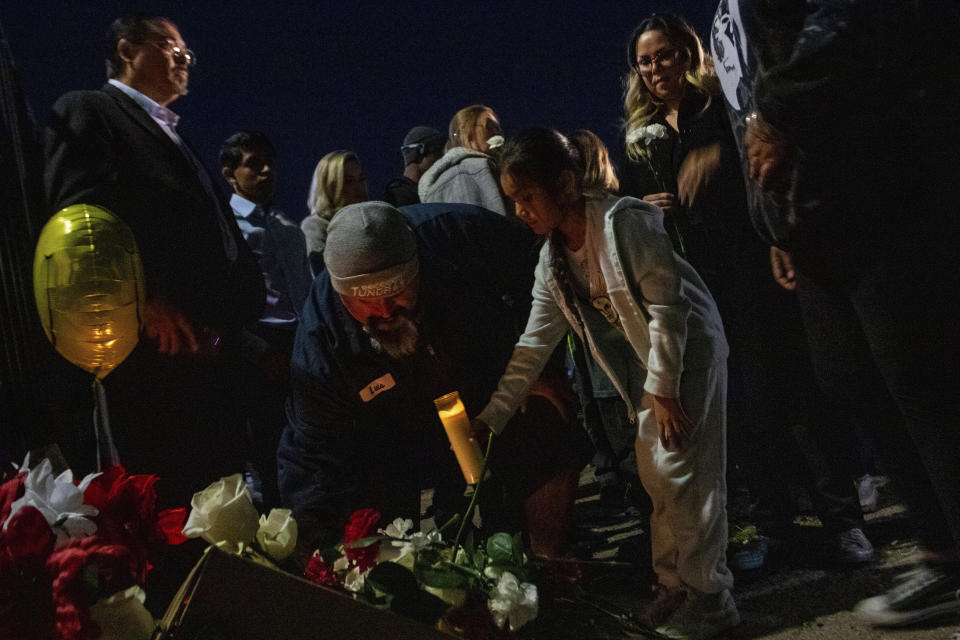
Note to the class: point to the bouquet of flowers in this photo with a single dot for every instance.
(646, 138)
(419, 575)
(74, 555)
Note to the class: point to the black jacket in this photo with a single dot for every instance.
(362, 428)
(102, 148)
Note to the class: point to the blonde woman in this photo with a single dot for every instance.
(683, 158)
(467, 172)
(338, 180)
(598, 171)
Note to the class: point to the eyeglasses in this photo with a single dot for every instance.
(665, 58)
(181, 55)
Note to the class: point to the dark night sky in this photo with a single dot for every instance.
(321, 76)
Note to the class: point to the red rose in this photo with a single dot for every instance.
(10, 491)
(362, 524)
(27, 539)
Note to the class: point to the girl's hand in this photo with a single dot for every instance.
(696, 172)
(674, 425)
(666, 201)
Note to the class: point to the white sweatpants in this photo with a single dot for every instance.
(688, 527)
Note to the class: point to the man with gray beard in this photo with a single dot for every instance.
(411, 306)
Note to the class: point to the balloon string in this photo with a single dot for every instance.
(101, 428)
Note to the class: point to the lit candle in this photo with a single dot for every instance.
(457, 425)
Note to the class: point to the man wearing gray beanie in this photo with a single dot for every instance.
(422, 146)
(412, 305)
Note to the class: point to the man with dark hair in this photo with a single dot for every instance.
(422, 146)
(173, 401)
(247, 161)
(413, 305)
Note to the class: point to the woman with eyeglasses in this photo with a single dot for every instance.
(467, 172)
(338, 180)
(682, 157)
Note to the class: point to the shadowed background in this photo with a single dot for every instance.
(322, 76)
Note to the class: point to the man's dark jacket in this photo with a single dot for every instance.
(102, 148)
(175, 417)
(362, 428)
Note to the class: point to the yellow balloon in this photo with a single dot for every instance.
(88, 284)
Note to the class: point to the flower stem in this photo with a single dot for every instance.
(473, 499)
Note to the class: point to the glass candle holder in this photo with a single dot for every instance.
(453, 415)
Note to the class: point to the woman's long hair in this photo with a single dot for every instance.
(639, 105)
(464, 124)
(540, 156)
(326, 188)
(598, 171)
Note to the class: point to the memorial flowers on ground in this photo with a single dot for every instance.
(74, 555)
(420, 575)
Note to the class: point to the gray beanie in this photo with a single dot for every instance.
(370, 251)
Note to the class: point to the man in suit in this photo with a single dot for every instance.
(172, 403)
(247, 163)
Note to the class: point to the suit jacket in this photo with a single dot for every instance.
(102, 148)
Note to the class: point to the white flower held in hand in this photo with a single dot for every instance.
(647, 134)
(277, 534)
(514, 601)
(495, 141)
(59, 500)
(223, 512)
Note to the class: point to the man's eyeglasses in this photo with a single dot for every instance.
(181, 55)
(665, 58)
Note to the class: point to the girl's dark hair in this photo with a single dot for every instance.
(540, 155)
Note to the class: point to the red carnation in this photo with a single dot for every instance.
(83, 572)
(362, 524)
(321, 572)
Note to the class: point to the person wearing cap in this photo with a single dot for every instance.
(411, 306)
(422, 146)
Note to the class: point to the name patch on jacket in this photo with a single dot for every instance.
(376, 387)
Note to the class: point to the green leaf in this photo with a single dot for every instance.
(362, 542)
(500, 547)
(392, 578)
(441, 576)
(518, 549)
(480, 559)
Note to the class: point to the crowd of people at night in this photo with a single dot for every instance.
(764, 295)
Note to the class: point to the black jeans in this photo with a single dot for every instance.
(894, 329)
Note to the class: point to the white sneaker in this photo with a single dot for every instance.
(867, 493)
(702, 616)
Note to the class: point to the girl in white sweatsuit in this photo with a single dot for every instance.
(608, 271)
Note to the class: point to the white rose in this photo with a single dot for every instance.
(59, 500)
(122, 616)
(223, 512)
(277, 534)
(514, 601)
